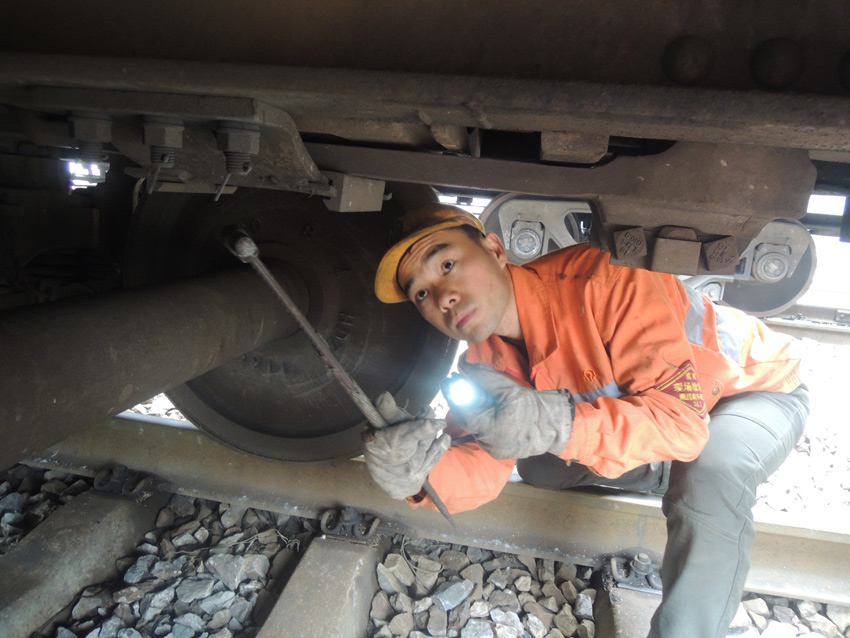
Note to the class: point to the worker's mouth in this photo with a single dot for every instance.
(463, 319)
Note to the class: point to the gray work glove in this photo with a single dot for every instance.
(521, 422)
(401, 455)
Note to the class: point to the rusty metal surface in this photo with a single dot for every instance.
(732, 181)
(577, 526)
(280, 159)
(716, 189)
(358, 104)
(724, 44)
(70, 364)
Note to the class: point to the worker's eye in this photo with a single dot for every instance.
(448, 265)
(420, 295)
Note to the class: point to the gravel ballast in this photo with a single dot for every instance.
(28, 496)
(435, 589)
(208, 570)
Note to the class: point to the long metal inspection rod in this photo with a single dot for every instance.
(246, 250)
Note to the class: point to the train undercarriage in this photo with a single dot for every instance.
(686, 140)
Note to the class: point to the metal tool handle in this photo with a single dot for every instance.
(241, 245)
(246, 250)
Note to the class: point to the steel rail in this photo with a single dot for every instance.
(581, 527)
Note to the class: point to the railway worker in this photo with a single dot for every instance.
(601, 375)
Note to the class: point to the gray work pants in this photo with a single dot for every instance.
(708, 504)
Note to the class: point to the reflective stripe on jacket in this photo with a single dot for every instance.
(645, 357)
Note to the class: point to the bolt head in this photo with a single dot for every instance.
(237, 140)
(158, 134)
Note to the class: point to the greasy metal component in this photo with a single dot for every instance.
(349, 524)
(164, 136)
(239, 142)
(730, 195)
(721, 255)
(280, 162)
(526, 239)
(161, 132)
(575, 41)
(452, 138)
(355, 194)
(732, 183)
(771, 263)
(780, 263)
(576, 148)
(637, 573)
(532, 226)
(359, 104)
(688, 59)
(246, 250)
(630, 243)
(777, 63)
(676, 251)
(73, 363)
(573, 526)
(280, 401)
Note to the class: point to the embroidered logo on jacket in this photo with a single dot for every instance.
(684, 386)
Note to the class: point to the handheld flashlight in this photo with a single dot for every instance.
(462, 395)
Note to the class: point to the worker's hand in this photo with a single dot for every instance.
(521, 422)
(401, 455)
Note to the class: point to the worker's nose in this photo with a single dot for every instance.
(448, 297)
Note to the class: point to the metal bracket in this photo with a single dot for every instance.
(349, 524)
(637, 573)
(121, 481)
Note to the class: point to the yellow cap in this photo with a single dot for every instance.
(415, 225)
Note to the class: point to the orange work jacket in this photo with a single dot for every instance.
(645, 357)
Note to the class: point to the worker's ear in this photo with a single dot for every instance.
(493, 244)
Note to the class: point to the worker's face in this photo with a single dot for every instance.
(461, 287)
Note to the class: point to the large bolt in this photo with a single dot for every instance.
(164, 136)
(239, 142)
(777, 63)
(771, 267)
(237, 163)
(164, 156)
(641, 564)
(688, 59)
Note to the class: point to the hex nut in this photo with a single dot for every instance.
(159, 134)
(238, 140)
